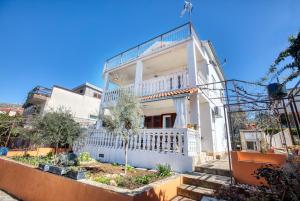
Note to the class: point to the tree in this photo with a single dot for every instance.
(56, 127)
(8, 125)
(238, 120)
(292, 56)
(125, 119)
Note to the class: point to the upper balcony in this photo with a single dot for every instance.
(156, 44)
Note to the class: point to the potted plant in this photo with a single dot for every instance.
(44, 167)
(76, 173)
(57, 170)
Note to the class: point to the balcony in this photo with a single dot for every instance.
(160, 42)
(178, 80)
(37, 95)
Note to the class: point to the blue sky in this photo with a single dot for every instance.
(66, 42)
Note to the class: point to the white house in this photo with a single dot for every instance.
(82, 101)
(182, 124)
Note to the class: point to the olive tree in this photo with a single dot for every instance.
(57, 128)
(124, 120)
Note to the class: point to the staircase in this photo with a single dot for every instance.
(203, 182)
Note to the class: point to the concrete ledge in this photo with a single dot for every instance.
(28, 183)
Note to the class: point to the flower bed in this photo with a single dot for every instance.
(28, 183)
(110, 174)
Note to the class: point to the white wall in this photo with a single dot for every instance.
(80, 106)
(142, 159)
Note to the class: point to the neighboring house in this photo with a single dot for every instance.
(182, 125)
(11, 109)
(251, 139)
(82, 101)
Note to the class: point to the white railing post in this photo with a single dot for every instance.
(185, 144)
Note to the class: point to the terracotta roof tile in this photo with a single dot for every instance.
(170, 93)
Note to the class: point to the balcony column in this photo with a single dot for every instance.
(192, 63)
(101, 111)
(138, 78)
(195, 117)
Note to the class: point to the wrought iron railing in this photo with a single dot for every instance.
(162, 41)
(40, 91)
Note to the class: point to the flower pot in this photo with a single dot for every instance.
(76, 174)
(44, 167)
(3, 151)
(57, 170)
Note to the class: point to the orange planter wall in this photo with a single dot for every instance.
(39, 151)
(28, 183)
(245, 163)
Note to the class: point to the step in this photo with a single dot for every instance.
(215, 171)
(206, 180)
(193, 192)
(181, 198)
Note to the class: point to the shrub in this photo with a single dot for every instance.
(102, 179)
(34, 160)
(129, 168)
(163, 170)
(143, 179)
(67, 159)
(84, 157)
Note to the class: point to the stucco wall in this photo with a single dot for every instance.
(143, 159)
(80, 106)
(245, 163)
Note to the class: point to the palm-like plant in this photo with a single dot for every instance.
(292, 54)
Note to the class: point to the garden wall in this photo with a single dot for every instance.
(43, 151)
(245, 163)
(28, 183)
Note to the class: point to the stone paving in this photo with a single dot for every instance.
(6, 197)
(216, 164)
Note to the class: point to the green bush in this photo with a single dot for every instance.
(143, 179)
(84, 157)
(129, 168)
(34, 160)
(163, 170)
(102, 179)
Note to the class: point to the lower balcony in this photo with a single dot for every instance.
(177, 147)
(178, 80)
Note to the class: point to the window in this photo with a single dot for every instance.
(179, 81)
(97, 95)
(213, 115)
(213, 81)
(251, 145)
(81, 91)
(93, 116)
(167, 121)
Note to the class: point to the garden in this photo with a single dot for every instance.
(85, 167)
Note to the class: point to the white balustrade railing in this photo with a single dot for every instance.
(162, 41)
(178, 80)
(170, 82)
(111, 96)
(179, 141)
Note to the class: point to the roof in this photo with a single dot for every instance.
(88, 85)
(170, 93)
